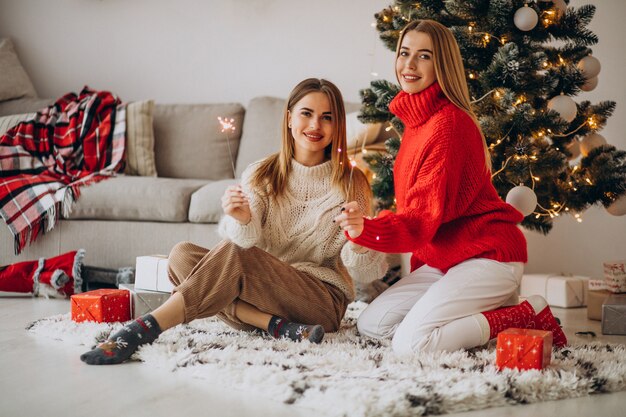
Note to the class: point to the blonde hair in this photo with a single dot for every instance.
(270, 178)
(449, 68)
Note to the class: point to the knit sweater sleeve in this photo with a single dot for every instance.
(363, 264)
(247, 235)
(439, 184)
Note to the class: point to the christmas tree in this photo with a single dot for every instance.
(524, 61)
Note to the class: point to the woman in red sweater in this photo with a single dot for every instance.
(467, 251)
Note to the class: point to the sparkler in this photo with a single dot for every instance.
(228, 126)
(352, 165)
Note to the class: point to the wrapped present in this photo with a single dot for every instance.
(105, 305)
(595, 299)
(143, 301)
(615, 276)
(523, 349)
(614, 314)
(596, 285)
(558, 290)
(151, 274)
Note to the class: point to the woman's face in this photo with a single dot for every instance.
(415, 67)
(311, 125)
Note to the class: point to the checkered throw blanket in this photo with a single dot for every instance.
(45, 160)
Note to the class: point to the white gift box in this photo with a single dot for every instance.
(558, 290)
(151, 274)
(143, 301)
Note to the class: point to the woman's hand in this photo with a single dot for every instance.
(236, 204)
(351, 219)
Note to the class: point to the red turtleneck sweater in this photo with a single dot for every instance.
(448, 210)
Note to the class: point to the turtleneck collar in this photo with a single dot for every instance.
(323, 170)
(415, 109)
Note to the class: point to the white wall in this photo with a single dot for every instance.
(232, 50)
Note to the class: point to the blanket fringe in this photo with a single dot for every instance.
(47, 221)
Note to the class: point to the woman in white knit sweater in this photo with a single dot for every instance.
(284, 266)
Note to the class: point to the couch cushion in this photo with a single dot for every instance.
(189, 142)
(206, 203)
(137, 198)
(140, 139)
(23, 105)
(14, 82)
(261, 134)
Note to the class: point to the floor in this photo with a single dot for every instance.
(38, 377)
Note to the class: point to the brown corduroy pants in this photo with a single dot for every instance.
(211, 282)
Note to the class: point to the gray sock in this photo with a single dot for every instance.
(120, 346)
(281, 328)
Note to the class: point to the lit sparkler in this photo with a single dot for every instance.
(352, 165)
(228, 126)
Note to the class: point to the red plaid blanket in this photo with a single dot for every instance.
(43, 162)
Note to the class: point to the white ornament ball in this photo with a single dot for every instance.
(592, 140)
(523, 199)
(589, 66)
(564, 106)
(574, 149)
(618, 208)
(590, 84)
(560, 6)
(525, 18)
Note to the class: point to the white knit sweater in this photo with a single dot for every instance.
(298, 228)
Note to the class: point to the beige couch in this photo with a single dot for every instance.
(121, 218)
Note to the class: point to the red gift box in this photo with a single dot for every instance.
(106, 305)
(523, 349)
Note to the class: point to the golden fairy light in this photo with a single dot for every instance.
(228, 126)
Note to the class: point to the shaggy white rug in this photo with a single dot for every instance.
(357, 376)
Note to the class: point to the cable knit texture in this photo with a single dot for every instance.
(298, 228)
(448, 210)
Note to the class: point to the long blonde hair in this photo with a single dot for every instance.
(270, 177)
(449, 68)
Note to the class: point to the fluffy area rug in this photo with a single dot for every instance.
(349, 375)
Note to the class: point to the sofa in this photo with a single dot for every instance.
(179, 197)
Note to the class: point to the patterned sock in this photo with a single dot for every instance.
(546, 321)
(281, 328)
(124, 343)
(503, 318)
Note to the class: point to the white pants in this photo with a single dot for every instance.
(432, 311)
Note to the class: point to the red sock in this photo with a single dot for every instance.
(546, 321)
(503, 318)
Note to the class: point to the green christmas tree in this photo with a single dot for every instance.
(523, 60)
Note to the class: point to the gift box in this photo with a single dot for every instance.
(105, 305)
(615, 276)
(143, 301)
(151, 274)
(595, 299)
(596, 285)
(614, 314)
(558, 290)
(523, 349)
